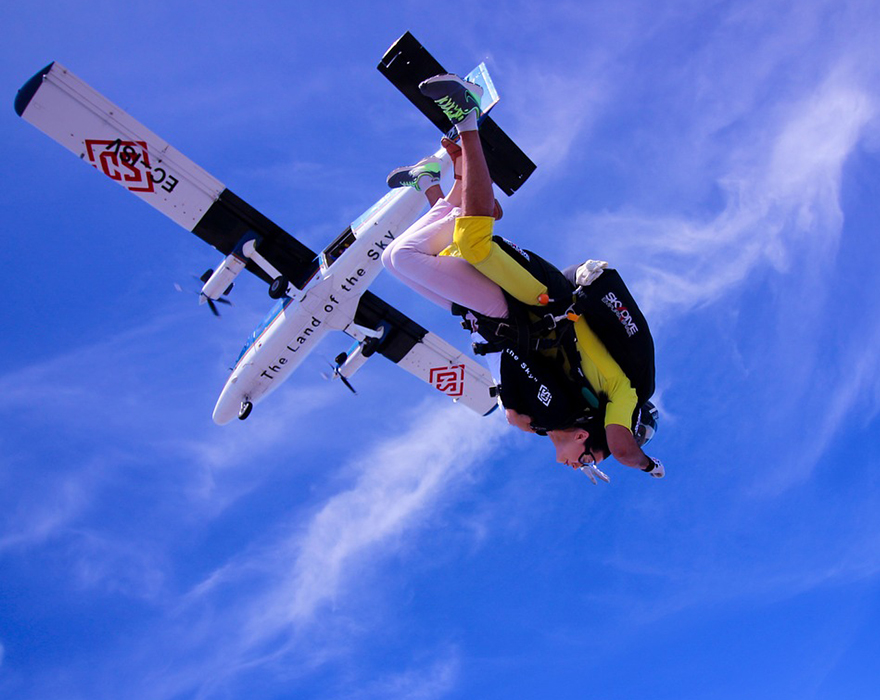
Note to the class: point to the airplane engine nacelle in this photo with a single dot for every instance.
(353, 360)
(222, 278)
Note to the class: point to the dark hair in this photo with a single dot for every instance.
(596, 442)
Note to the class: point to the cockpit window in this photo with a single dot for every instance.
(334, 251)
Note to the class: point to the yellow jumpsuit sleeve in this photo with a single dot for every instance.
(606, 376)
(472, 240)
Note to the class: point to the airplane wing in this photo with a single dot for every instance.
(82, 120)
(406, 64)
(427, 356)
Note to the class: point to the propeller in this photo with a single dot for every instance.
(346, 382)
(337, 374)
(212, 303)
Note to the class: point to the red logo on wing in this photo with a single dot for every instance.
(449, 380)
(127, 162)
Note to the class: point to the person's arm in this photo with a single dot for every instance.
(624, 448)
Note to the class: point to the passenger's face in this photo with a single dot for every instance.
(569, 446)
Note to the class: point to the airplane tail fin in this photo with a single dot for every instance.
(407, 63)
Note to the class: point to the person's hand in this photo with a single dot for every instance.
(589, 272)
(655, 469)
(519, 420)
(592, 471)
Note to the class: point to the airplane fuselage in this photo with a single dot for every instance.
(328, 302)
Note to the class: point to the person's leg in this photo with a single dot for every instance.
(429, 235)
(454, 196)
(434, 194)
(454, 151)
(453, 278)
(478, 197)
(414, 258)
(460, 101)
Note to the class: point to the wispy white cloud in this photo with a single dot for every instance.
(398, 483)
(435, 679)
(851, 387)
(548, 135)
(116, 565)
(746, 553)
(37, 517)
(307, 567)
(126, 392)
(780, 204)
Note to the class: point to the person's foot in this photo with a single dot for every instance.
(420, 176)
(458, 98)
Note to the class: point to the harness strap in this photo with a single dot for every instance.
(503, 333)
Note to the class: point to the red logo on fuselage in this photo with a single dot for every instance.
(127, 162)
(449, 380)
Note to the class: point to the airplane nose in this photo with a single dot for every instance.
(226, 409)
(222, 417)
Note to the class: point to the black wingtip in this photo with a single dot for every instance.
(29, 89)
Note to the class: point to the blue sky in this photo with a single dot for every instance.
(724, 157)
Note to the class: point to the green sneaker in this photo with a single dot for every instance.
(408, 176)
(455, 96)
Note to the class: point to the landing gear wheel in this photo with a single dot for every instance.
(278, 288)
(245, 410)
(370, 346)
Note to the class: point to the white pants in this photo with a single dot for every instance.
(414, 258)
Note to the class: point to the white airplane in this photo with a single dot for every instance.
(315, 293)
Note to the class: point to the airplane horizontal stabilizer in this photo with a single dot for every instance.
(407, 63)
